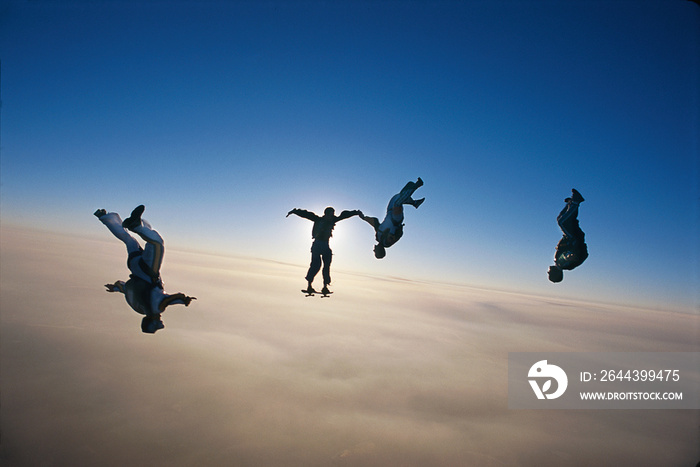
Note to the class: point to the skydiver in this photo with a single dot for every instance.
(390, 230)
(571, 250)
(144, 289)
(321, 252)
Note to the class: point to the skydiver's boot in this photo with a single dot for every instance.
(134, 220)
(576, 196)
(418, 202)
(419, 182)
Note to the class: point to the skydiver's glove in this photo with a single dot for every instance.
(99, 213)
(116, 287)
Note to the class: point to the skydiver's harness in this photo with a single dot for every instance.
(155, 277)
(571, 252)
(397, 230)
(141, 287)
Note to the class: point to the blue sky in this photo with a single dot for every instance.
(222, 116)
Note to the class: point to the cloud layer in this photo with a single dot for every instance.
(385, 372)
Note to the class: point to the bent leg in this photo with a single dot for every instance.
(568, 222)
(406, 193)
(155, 247)
(114, 224)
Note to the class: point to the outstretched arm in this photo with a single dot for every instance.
(373, 221)
(303, 213)
(175, 299)
(116, 287)
(348, 214)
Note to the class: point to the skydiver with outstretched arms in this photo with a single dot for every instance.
(571, 250)
(390, 230)
(144, 289)
(321, 251)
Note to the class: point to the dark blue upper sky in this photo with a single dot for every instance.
(222, 116)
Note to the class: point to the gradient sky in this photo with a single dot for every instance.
(222, 116)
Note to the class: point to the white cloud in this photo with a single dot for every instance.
(385, 372)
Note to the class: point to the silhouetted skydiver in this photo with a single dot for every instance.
(144, 289)
(571, 249)
(390, 230)
(321, 252)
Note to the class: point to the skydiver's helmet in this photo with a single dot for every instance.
(329, 211)
(555, 274)
(150, 324)
(379, 251)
